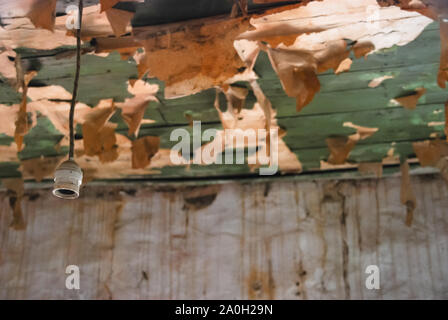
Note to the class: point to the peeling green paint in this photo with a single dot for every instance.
(5, 140)
(9, 170)
(344, 98)
(42, 141)
(102, 78)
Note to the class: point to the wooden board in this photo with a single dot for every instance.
(344, 98)
(280, 240)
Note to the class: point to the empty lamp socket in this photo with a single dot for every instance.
(67, 180)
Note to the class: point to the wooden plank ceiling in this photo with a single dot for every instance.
(344, 101)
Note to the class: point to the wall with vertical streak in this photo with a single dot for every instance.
(282, 240)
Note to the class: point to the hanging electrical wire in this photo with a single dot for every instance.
(68, 176)
(76, 82)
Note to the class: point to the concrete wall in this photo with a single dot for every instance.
(284, 240)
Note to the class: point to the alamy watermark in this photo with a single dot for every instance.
(72, 282)
(232, 140)
(229, 144)
(72, 21)
(373, 280)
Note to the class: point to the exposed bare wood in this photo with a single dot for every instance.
(233, 242)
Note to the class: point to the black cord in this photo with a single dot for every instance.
(75, 86)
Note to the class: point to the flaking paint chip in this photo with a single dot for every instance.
(410, 101)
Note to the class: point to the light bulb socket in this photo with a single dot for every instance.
(67, 180)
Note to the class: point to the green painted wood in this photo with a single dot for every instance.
(101, 78)
(396, 56)
(5, 140)
(339, 93)
(199, 106)
(310, 158)
(28, 53)
(8, 96)
(9, 170)
(343, 98)
(394, 124)
(42, 141)
(97, 70)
